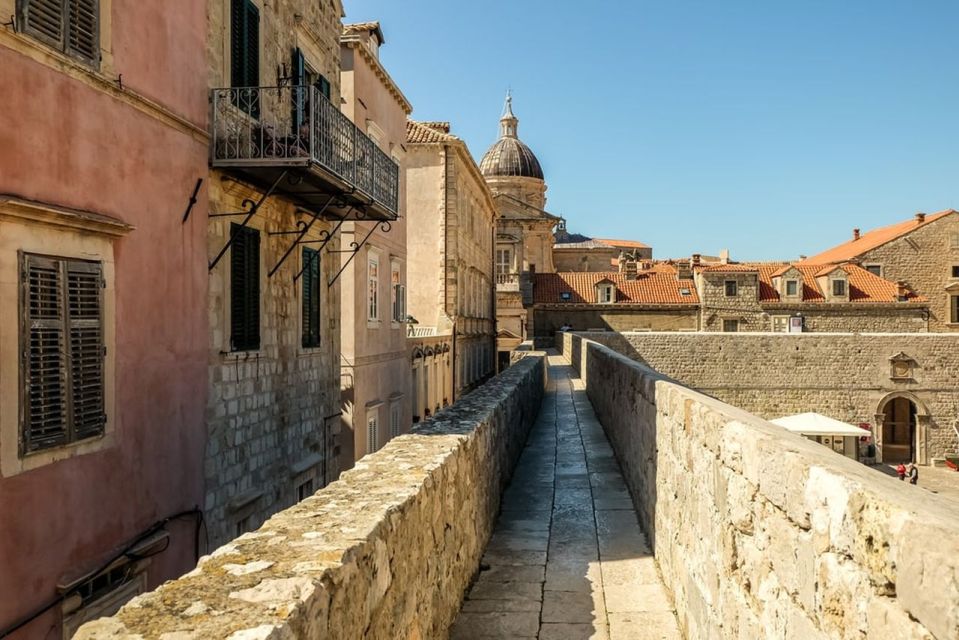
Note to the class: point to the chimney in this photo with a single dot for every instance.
(920, 217)
(724, 256)
(629, 268)
(902, 292)
(802, 257)
(855, 234)
(695, 259)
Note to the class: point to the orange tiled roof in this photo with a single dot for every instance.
(864, 287)
(872, 239)
(729, 268)
(653, 286)
(427, 133)
(631, 244)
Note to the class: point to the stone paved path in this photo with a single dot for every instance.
(567, 560)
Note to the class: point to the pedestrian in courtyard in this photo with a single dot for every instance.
(913, 473)
(901, 471)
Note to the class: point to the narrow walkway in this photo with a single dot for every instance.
(567, 560)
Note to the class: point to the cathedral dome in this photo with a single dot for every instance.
(509, 156)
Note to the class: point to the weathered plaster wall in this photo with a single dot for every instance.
(385, 552)
(845, 376)
(760, 533)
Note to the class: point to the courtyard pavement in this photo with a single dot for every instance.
(567, 559)
(939, 480)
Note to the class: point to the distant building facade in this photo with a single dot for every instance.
(922, 253)
(452, 222)
(375, 372)
(597, 254)
(524, 231)
(102, 306)
(289, 171)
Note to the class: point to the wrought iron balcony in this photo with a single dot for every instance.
(295, 136)
(507, 282)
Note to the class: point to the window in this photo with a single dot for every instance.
(839, 287)
(955, 271)
(395, 419)
(372, 426)
(244, 289)
(245, 54)
(103, 594)
(730, 326)
(792, 287)
(504, 261)
(311, 298)
(398, 293)
(243, 525)
(304, 490)
(63, 355)
(71, 26)
(373, 288)
(605, 293)
(954, 309)
(684, 291)
(780, 324)
(731, 288)
(954, 240)
(874, 269)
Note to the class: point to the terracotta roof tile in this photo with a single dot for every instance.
(423, 133)
(629, 244)
(872, 239)
(653, 286)
(864, 287)
(729, 268)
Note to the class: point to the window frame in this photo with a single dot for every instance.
(843, 285)
(397, 293)
(874, 269)
(954, 271)
(734, 288)
(372, 429)
(795, 284)
(312, 264)
(734, 322)
(62, 45)
(395, 419)
(605, 294)
(373, 288)
(248, 343)
(954, 308)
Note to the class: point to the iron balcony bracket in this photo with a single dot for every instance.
(324, 239)
(251, 209)
(302, 229)
(192, 201)
(356, 246)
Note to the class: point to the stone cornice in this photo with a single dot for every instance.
(59, 216)
(354, 42)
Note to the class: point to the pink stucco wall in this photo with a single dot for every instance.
(66, 143)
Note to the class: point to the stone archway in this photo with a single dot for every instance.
(902, 423)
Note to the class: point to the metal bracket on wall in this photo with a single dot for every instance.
(355, 248)
(324, 239)
(251, 209)
(192, 202)
(302, 229)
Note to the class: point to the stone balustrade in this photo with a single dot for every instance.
(387, 551)
(760, 533)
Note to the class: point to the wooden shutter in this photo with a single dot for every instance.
(44, 356)
(299, 89)
(237, 14)
(44, 19)
(244, 288)
(311, 298)
(324, 86)
(85, 323)
(83, 29)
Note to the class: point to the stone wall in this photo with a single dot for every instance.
(845, 376)
(385, 552)
(547, 319)
(872, 318)
(760, 533)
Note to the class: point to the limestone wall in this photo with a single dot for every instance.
(760, 533)
(845, 376)
(547, 319)
(385, 552)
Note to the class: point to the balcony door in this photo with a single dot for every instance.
(504, 261)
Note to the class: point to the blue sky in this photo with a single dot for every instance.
(768, 128)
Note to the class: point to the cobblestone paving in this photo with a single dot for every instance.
(567, 560)
(939, 480)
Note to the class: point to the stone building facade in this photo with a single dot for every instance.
(901, 386)
(102, 306)
(375, 375)
(922, 252)
(452, 221)
(289, 170)
(597, 254)
(524, 230)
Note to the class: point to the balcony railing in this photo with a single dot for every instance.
(507, 282)
(298, 126)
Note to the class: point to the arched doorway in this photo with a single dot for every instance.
(899, 430)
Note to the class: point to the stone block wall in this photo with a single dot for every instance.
(385, 552)
(760, 533)
(547, 319)
(842, 375)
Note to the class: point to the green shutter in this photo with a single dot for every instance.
(311, 298)
(244, 289)
(245, 54)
